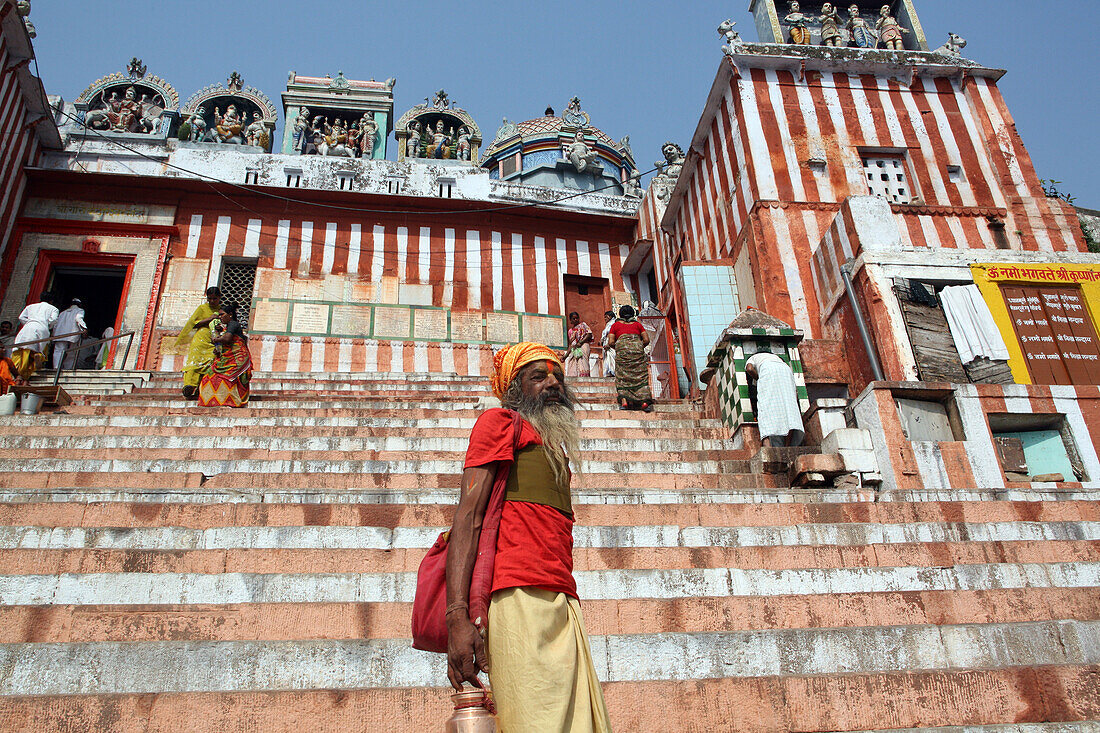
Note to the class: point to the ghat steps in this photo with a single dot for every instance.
(164, 566)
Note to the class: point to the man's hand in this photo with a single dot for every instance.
(466, 654)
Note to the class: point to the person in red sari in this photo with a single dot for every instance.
(226, 383)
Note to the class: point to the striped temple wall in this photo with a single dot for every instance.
(506, 270)
(778, 151)
(20, 146)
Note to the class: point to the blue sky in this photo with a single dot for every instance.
(641, 68)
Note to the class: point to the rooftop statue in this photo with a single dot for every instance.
(301, 124)
(441, 141)
(506, 129)
(574, 115)
(412, 146)
(796, 21)
(733, 39)
(889, 30)
(861, 33)
(256, 134)
(119, 115)
(336, 140)
(24, 9)
(368, 134)
(195, 126)
(579, 154)
(463, 149)
(227, 127)
(954, 46)
(830, 26)
(669, 170)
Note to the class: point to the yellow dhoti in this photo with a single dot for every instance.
(27, 362)
(540, 664)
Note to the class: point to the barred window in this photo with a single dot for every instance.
(237, 282)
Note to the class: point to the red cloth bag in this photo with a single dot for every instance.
(429, 615)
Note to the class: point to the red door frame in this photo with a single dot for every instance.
(50, 258)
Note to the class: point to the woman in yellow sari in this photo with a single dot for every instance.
(201, 352)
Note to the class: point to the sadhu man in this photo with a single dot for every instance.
(537, 654)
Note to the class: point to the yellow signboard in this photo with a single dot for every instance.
(990, 276)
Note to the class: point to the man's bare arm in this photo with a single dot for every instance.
(465, 647)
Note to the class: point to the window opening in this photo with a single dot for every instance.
(886, 178)
(393, 185)
(251, 177)
(237, 283)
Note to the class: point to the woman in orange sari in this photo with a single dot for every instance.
(226, 382)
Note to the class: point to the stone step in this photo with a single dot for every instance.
(764, 517)
(358, 408)
(772, 704)
(438, 447)
(243, 666)
(321, 558)
(133, 588)
(624, 537)
(308, 620)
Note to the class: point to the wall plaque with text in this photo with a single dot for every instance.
(392, 322)
(502, 327)
(310, 318)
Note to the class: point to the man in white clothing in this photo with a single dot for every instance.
(28, 350)
(68, 329)
(777, 410)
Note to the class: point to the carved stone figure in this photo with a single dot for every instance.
(227, 127)
(954, 46)
(830, 26)
(412, 145)
(506, 130)
(118, 115)
(796, 22)
(256, 134)
(632, 186)
(368, 130)
(861, 33)
(441, 141)
(336, 140)
(463, 151)
(670, 169)
(624, 145)
(889, 30)
(197, 125)
(574, 115)
(354, 134)
(579, 154)
(673, 162)
(301, 124)
(734, 44)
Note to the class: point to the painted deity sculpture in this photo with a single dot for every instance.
(796, 21)
(889, 30)
(861, 33)
(669, 170)
(301, 124)
(579, 154)
(412, 145)
(830, 26)
(336, 140)
(441, 142)
(197, 123)
(463, 149)
(354, 134)
(368, 130)
(118, 115)
(227, 127)
(256, 133)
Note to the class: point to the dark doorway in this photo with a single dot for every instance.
(99, 289)
(589, 297)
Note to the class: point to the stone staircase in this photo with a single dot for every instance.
(165, 567)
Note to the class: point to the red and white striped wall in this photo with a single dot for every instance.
(749, 178)
(19, 138)
(322, 354)
(506, 265)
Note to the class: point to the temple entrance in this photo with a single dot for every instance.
(99, 289)
(589, 297)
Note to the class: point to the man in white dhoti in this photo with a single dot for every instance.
(28, 350)
(608, 352)
(68, 329)
(777, 411)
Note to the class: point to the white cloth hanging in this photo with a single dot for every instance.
(972, 327)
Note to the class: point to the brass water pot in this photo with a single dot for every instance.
(472, 713)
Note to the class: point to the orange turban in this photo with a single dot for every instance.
(508, 361)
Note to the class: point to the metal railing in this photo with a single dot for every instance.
(129, 336)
